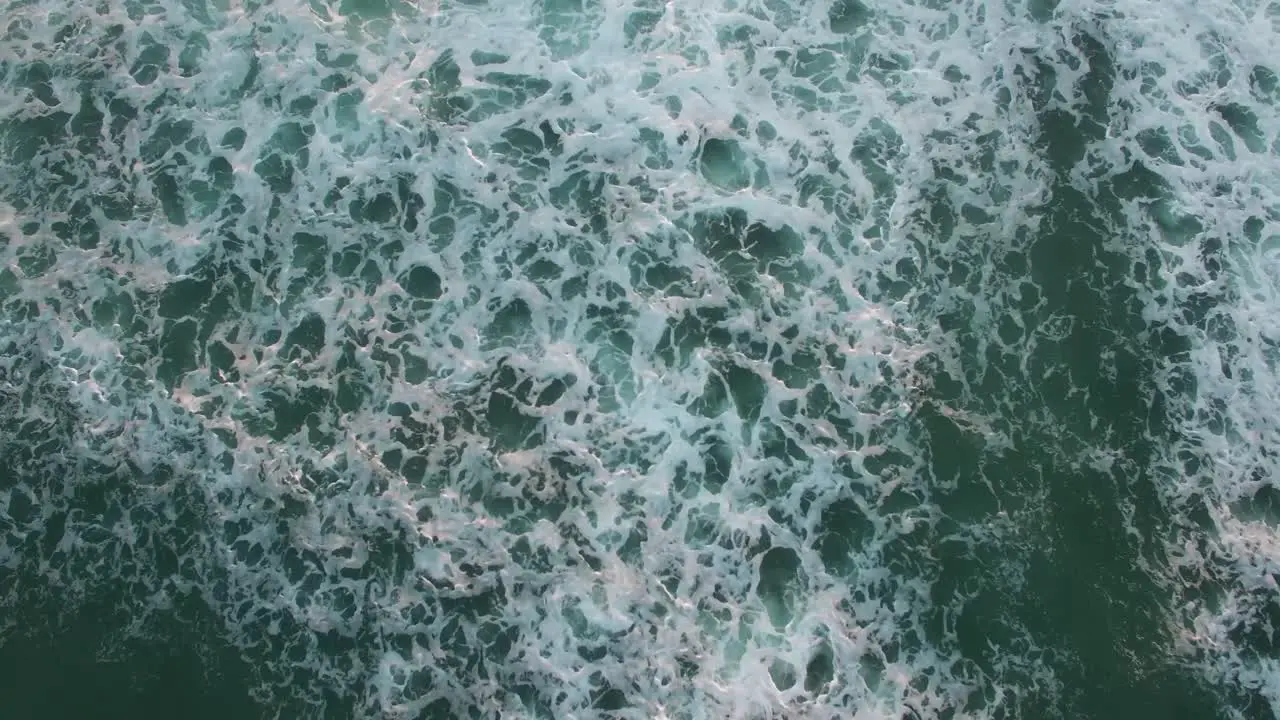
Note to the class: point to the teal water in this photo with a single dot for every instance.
(639, 360)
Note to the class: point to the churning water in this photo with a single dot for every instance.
(601, 359)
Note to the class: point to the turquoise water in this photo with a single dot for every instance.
(639, 360)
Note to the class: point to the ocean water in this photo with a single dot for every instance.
(901, 359)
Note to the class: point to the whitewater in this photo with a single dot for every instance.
(690, 359)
